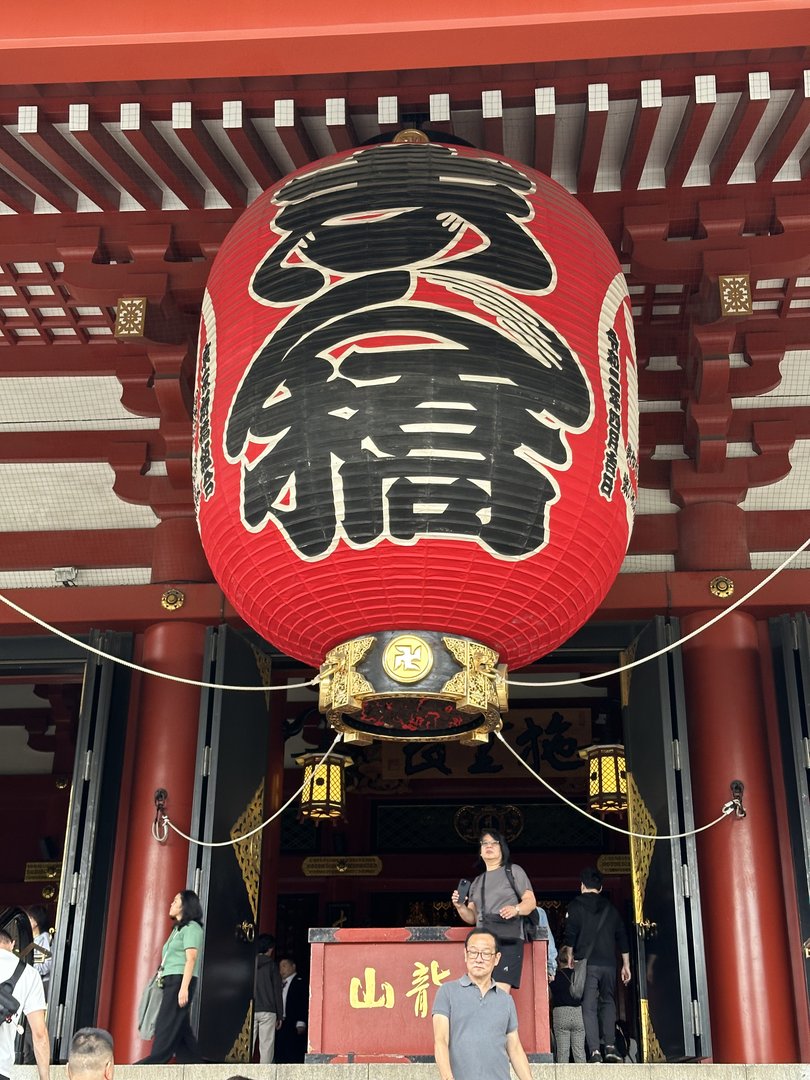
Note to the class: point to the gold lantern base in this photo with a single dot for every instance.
(408, 685)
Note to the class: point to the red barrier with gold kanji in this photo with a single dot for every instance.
(372, 992)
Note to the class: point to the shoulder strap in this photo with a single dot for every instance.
(587, 952)
(17, 975)
(511, 879)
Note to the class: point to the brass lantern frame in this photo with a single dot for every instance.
(323, 793)
(607, 777)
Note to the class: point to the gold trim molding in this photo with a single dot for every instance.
(342, 866)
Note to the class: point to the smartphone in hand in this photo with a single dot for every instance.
(463, 890)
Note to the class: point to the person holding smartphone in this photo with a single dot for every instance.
(498, 899)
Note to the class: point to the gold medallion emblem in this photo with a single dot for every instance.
(407, 658)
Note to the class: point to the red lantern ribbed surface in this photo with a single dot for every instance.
(416, 405)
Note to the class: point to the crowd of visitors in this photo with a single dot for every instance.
(474, 1017)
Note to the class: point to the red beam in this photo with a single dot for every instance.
(248, 144)
(633, 596)
(23, 447)
(80, 548)
(97, 358)
(159, 156)
(693, 127)
(132, 607)
(24, 167)
(591, 149)
(492, 127)
(766, 530)
(791, 126)
(100, 144)
(200, 42)
(736, 138)
(645, 122)
(208, 157)
(65, 160)
(544, 143)
(339, 123)
(293, 134)
(15, 195)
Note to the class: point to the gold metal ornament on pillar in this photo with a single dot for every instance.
(607, 778)
(323, 796)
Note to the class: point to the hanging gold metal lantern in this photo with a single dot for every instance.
(323, 796)
(607, 778)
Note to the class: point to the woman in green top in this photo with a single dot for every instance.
(180, 965)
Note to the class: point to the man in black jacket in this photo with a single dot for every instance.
(291, 1041)
(267, 1004)
(595, 929)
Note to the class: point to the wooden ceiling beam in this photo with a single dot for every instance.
(244, 137)
(15, 195)
(739, 132)
(202, 44)
(147, 141)
(339, 124)
(195, 137)
(32, 447)
(699, 111)
(122, 167)
(784, 138)
(80, 548)
(492, 121)
(66, 161)
(290, 129)
(545, 118)
(642, 132)
(590, 154)
(26, 169)
(766, 530)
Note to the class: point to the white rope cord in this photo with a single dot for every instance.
(316, 679)
(145, 670)
(728, 808)
(673, 645)
(160, 828)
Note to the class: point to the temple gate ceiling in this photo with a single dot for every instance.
(696, 166)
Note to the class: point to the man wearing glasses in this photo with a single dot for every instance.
(475, 1027)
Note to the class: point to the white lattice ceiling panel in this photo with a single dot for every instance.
(66, 404)
(58, 496)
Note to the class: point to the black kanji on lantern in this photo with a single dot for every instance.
(372, 411)
(386, 207)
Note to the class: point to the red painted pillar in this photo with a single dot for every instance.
(164, 756)
(744, 921)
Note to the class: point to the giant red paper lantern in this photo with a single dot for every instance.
(416, 405)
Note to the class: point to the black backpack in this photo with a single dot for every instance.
(9, 1006)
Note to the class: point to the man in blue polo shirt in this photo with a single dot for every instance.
(475, 1027)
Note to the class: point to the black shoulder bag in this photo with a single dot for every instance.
(581, 966)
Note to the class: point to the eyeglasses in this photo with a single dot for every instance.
(480, 954)
(490, 843)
